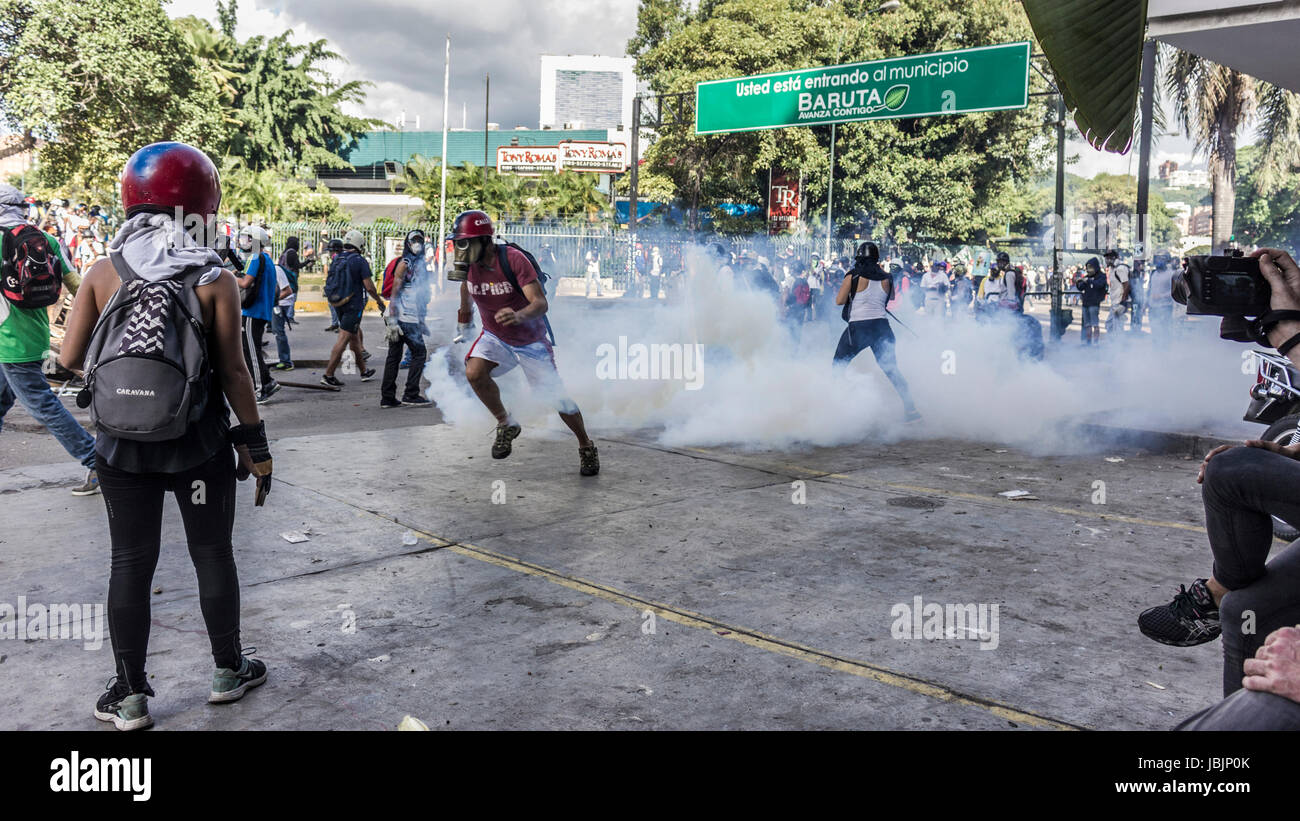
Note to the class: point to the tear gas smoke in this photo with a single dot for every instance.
(762, 388)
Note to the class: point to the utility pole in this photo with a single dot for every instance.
(1142, 252)
(1058, 234)
(442, 186)
(487, 100)
(632, 184)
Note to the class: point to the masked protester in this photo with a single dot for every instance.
(864, 293)
(405, 322)
(511, 304)
(154, 267)
(260, 284)
(1092, 292)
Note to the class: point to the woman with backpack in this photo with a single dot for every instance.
(408, 295)
(163, 293)
(865, 292)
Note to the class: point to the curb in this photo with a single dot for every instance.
(1193, 445)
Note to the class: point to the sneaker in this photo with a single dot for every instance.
(505, 435)
(1192, 618)
(283, 366)
(331, 382)
(588, 461)
(331, 329)
(389, 403)
(406, 362)
(365, 356)
(90, 487)
(416, 400)
(127, 710)
(367, 374)
(230, 685)
(268, 390)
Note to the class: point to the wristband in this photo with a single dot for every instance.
(249, 435)
(1260, 327)
(1286, 347)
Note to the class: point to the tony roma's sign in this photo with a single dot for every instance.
(527, 160)
(570, 155)
(987, 78)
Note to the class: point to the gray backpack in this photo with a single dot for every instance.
(147, 370)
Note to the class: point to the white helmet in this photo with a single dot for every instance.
(355, 239)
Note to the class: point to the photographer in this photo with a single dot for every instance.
(1241, 488)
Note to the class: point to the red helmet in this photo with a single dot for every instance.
(168, 176)
(470, 224)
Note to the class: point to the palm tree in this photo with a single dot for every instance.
(1212, 104)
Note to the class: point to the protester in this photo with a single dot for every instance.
(934, 283)
(864, 293)
(593, 274)
(199, 467)
(405, 319)
(1160, 300)
(25, 338)
(963, 291)
(511, 304)
(1118, 274)
(1270, 696)
(260, 282)
(346, 286)
(291, 264)
(1092, 292)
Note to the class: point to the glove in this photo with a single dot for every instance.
(250, 441)
(392, 331)
(464, 324)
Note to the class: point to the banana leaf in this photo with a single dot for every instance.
(1095, 50)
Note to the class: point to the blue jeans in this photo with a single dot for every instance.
(25, 382)
(279, 326)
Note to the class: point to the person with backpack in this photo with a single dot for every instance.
(507, 287)
(406, 284)
(259, 295)
(346, 285)
(157, 329)
(798, 298)
(34, 272)
(865, 293)
(290, 266)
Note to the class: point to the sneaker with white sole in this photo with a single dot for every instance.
(90, 487)
(127, 710)
(230, 685)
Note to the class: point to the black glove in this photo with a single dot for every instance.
(253, 438)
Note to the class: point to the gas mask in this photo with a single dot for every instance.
(468, 252)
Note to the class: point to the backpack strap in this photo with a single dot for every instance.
(848, 303)
(503, 256)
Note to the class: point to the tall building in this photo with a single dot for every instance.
(584, 92)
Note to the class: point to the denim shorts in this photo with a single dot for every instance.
(1092, 316)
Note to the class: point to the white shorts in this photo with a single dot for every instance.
(537, 361)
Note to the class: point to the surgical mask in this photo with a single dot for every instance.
(468, 252)
(417, 248)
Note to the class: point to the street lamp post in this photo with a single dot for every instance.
(892, 5)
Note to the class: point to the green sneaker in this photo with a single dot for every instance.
(127, 710)
(230, 685)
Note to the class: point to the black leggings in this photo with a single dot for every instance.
(1242, 487)
(879, 337)
(206, 496)
(253, 330)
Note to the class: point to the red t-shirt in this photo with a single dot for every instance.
(492, 292)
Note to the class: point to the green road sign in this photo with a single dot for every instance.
(988, 78)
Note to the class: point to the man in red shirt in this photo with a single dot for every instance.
(513, 332)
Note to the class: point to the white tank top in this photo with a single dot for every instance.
(870, 302)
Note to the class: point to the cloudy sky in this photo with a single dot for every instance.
(398, 45)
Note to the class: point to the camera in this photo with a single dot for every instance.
(1229, 285)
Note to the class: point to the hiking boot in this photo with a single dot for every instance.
(1192, 618)
(283, 366)
(90, 487)
(416, 400)
(127, 710)
(230, 685)
(389, 403)
(367, 374)
(268, 390)
(505, 435)
(330, 382)
(588, 461)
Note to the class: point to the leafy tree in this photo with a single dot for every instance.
(1212, 103)
(268, 194)
(941, 177)
(1267, 215)
(567, 194)
(97, 79)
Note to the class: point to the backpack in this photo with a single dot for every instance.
(542, 276)
(32, 273)
(147, 371)
(338, 282)
(387, 291)
(289, 273)
(248, 296)
(802, 292)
